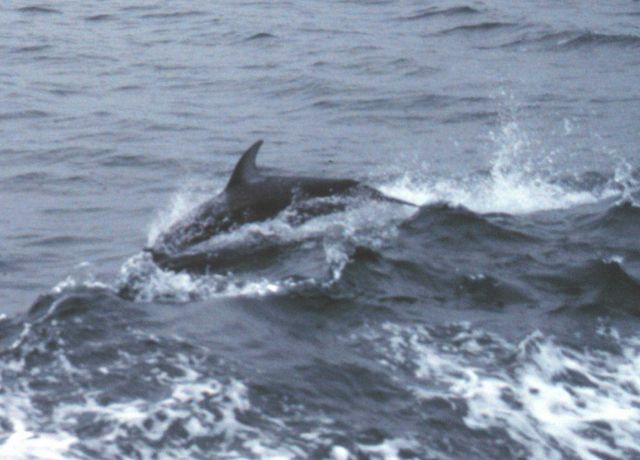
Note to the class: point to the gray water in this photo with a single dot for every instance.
(116, 118)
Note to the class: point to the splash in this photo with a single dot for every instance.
(628, 182)
(181, 204)
(329, 238)
(143, 280)
(512, 185)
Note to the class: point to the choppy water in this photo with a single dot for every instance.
(499, 320)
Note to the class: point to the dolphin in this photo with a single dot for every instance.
(251, 196)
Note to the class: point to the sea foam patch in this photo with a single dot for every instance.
(554, 401)
(180, 409)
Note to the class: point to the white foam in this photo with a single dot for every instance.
(261, 451)
(23, 444)
(614, 259)
(539, 402)
(26, 443)
(389, 449)
(150, 421)
(339, 453)
(182, 405)
(150, 283)
(71, 282)
(188, 402)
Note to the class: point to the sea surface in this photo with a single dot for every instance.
(499, 319)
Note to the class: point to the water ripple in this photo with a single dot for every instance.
(38, 10)
(434, 12)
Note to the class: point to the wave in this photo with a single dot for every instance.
(38, 9)
(260, 36)
(99, 18)
(174, 14)
(31, 49)
(573, 40)
(450, 222)
(62, 241)
(599, 288)
(479, 27)
(414, 102)
(433, 12)
(392, 278)
(619, 220)
(24, 114)
(41, 181)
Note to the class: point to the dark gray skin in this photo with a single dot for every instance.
(249, 196)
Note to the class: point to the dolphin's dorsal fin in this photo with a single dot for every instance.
(246, 168)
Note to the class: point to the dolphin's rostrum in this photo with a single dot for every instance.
(249, 196)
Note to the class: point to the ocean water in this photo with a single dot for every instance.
(499, 319)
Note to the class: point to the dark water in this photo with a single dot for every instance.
(499, 320)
